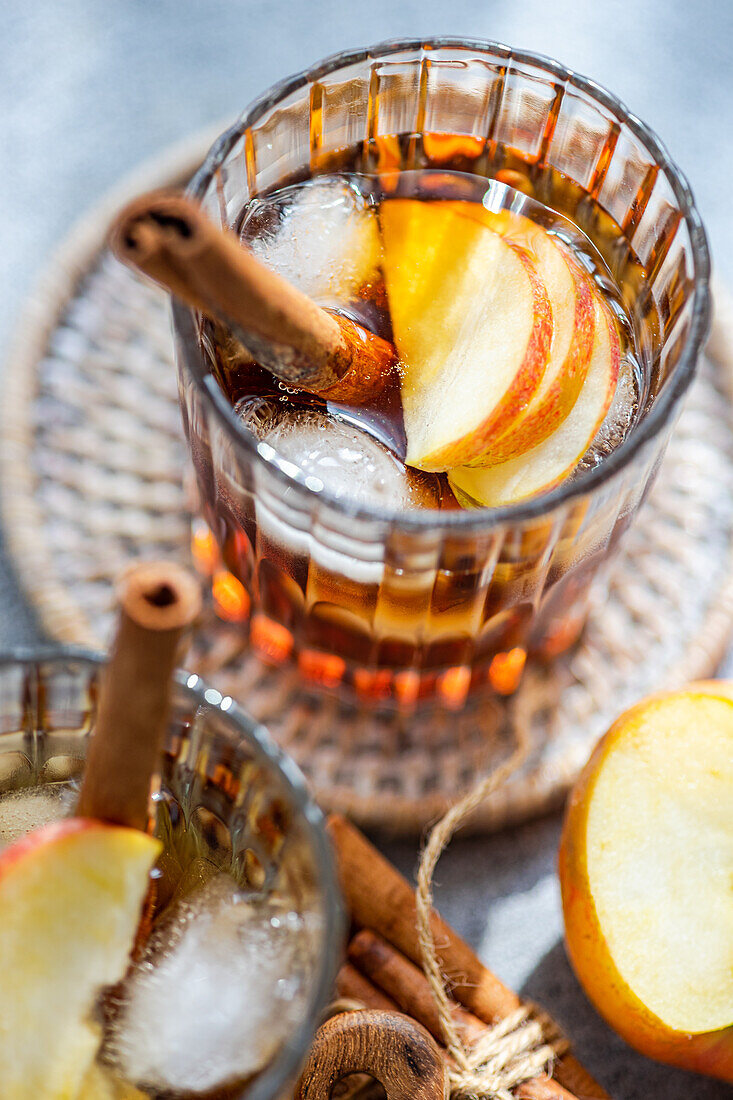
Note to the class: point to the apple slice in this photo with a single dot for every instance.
(571, 297)
(472, 324)
(646, 865)
(545, 466)
(70, 897)
(100, 1084)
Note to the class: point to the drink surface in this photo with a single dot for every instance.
(217, 985)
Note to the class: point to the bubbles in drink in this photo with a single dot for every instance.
(335, 454)
(223, 982)
(31, 808)
(322, 235)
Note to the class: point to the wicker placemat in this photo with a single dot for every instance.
(91, 460)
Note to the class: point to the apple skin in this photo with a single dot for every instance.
(433, 257)
(542, 420)
(36, 838)
(550, 462)
(477, 443)
(709, 1053)
(57, 954)
(555, 396)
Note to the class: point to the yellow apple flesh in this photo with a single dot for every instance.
(546, 465)
(472, 325)
(571, 297)
(646, 871)
(70, 896)
(100, 1084)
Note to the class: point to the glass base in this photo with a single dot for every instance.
(393, 688)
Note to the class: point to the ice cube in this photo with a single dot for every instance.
(335, 454)
(619, 417)
(32, 807)
(224, 980)
(322, 235)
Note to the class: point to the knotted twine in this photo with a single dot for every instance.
(523, 1044)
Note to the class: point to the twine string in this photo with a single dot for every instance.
(525, 1043)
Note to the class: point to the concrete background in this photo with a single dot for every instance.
(89, 88)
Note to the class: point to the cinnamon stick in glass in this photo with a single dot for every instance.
(379, 898)
(167, 237)
(158, 602)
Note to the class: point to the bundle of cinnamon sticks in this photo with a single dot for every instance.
(383, 966)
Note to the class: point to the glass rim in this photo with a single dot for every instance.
(291, 1055)
(569, 489)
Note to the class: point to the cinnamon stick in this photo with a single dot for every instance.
(168, 237)
(158, 601)
(352, 984)
(406, 984)
(379, 898)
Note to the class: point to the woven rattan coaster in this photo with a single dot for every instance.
(91, 461)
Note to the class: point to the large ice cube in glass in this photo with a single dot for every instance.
(224, 979)
(334, 454)
(321, 235)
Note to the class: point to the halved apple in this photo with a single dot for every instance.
(472, 324)
(646, 866)
(545, 466)
(70, 897)
(571, 297)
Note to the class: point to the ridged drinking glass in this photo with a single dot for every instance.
(396, 609)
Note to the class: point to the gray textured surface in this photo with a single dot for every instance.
(89, 88)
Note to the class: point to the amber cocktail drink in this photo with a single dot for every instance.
(537, 265)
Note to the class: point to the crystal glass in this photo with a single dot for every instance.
(223, 782)
(394, 608)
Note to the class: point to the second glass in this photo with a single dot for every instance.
(240, 836)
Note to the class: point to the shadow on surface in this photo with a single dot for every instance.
(624, 1073)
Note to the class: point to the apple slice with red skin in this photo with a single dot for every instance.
(472, 324)
(70, 896)
(571, 297)
(545, 466)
